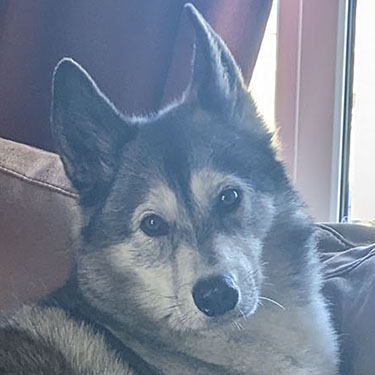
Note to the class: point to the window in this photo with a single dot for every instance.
(305, 82)
(358, 190)
(262, 85)
(308, 102)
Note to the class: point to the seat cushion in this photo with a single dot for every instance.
(37, 210)
(350, 290)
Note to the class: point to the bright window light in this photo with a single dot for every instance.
(362, 143)
(262, 85)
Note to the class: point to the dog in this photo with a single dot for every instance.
(196, 255)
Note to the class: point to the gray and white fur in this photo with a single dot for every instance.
(196, 255)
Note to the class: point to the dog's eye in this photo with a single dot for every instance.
(154, 226)
(229, 199)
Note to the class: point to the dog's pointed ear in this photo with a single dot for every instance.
(89, 132)
(217, 80)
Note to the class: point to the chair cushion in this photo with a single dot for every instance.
(37, 209)
(350, 289)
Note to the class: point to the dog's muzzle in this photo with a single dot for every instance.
(216, 295)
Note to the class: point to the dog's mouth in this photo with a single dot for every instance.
(215, 302)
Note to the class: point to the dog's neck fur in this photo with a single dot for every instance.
(224, 352)
(215, 352)
(70, 299)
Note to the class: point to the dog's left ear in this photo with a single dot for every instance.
(217, 80)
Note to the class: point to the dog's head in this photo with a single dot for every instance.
(177, 206)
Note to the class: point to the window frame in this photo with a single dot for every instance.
(311, 100)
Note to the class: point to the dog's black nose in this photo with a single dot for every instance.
(215, 296)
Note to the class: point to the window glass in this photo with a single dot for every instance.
(262, 85)
(361, 205)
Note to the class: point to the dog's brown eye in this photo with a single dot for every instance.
(154, 226)
(229, 199)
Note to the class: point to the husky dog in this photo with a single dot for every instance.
(196, 256)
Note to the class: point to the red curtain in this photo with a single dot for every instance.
(138, 51)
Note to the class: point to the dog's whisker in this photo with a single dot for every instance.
(166, 317)
(250, 275)
(243, 315)
(174, 306)
(273, 301)
(237, 325)
(268, 284)
(169, 297)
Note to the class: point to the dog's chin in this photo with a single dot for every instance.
(198, 323)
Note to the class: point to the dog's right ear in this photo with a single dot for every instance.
(89, 132)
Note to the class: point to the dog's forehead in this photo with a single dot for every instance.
(171, 146)
(174, 161)
(175, 202)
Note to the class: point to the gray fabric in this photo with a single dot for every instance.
(350, 290)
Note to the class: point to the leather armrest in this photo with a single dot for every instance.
(37, 209)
